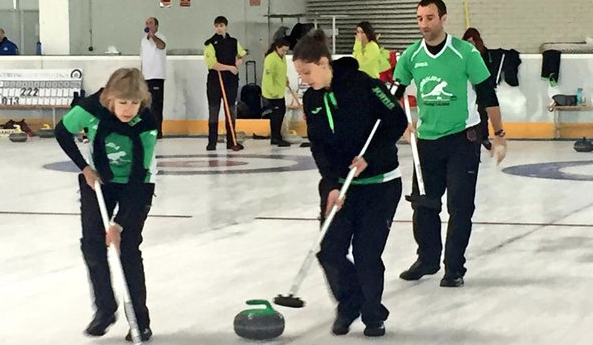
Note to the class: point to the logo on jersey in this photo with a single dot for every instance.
(383, 98)
(116, 154)
(316, 110)
(433, 91)
(421, 64)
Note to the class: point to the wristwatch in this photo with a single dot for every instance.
(500, 133)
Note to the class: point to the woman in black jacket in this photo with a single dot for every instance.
(341, 107)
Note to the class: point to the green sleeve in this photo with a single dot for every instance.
(368, 57)
(240, 51)
(210, 56)
(77, 119)
(475, 68)
(148, 143)
(402, 71)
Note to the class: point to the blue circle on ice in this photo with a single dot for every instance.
(573, 170)
(209, 164)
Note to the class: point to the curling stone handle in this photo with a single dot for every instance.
(260, 302)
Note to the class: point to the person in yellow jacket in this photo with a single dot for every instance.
(274, 84)
(367, 51)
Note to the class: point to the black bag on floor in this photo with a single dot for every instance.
(251, 96)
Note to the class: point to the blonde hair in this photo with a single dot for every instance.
(126, 83)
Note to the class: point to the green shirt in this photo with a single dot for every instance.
(274, 79)
(370, 59)
(118, 147)
(446, 97)
(210, 54)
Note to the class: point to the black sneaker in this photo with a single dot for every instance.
(211, 147)
(230, 146)
(145, 335)
(280, 143)
(375, 329)
(100, 323)
(452, 280)
(342, 324)
(418, 270)
(10, 124)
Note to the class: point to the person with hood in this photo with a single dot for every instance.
(123, 134)
(341, 107)
(223, 54)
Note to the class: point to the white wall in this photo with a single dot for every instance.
(23, 4)
(121, 23)
(523, 24)
(54, 27)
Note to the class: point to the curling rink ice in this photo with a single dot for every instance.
(232, 226)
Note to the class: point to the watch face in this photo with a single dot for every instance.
(500, 133)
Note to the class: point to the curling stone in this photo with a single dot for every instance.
(46, 132)
(259, 324)
(583, 145)
(18, 136)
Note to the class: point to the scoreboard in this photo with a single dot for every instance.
(39, 87)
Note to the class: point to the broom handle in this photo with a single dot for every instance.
(129, 308)
(227, 110)
(413, 143)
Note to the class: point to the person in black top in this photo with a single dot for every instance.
(472, 35)
(341, 107)
(122, 133)
(223, 54)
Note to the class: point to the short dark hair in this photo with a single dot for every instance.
(312, 47)
(440, 4)
(156, 21)
(221, 20)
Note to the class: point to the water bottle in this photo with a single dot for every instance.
(38, 48)
(579, 96)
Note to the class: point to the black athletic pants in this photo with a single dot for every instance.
(278, 107)
(364, 221)
(134, 202)
(214, 92)
(157, 90)
(448, 163)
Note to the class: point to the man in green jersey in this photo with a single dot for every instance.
(449, 75)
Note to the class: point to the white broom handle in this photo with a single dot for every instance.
(131, 314)
(500, 68)
(415, 156)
